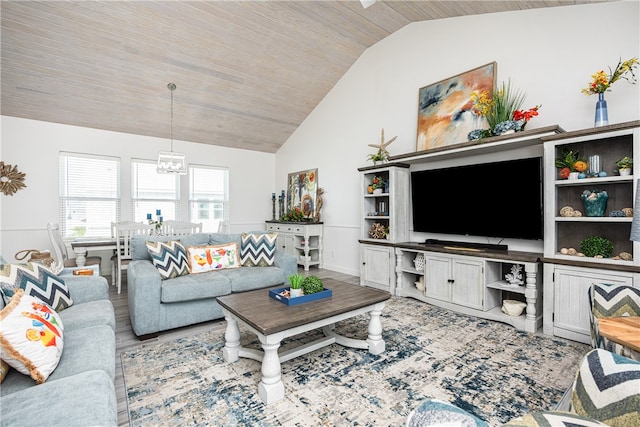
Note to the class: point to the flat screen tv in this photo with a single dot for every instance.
(499, 200)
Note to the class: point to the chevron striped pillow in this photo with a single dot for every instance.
(553, 418)
(258, 250)
(615, 300)
(37, 281)
(170, 258)
(607, 388)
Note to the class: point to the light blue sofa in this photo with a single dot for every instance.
(80, 391)
(157, 305)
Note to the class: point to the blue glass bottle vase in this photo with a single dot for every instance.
(602, 118)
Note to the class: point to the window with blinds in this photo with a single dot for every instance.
(89, 195)
(208, 196)
(152, 192)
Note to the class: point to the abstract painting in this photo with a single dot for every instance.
(301, 192)
(445, 116)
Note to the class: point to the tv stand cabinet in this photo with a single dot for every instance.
(471, 282)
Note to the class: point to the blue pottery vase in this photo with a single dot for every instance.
(595, 203)
(602, 118)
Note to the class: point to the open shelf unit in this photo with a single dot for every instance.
(568, 277)
(568, 232)
(472, 284)
(390, 208)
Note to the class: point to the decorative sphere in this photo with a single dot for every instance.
(582, 175)
(602, 174)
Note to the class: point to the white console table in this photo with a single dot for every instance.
(300, 239)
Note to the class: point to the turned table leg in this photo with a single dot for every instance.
(230, 352)
(271, 387)
(375, 341)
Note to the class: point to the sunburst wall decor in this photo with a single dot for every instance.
(11, 180)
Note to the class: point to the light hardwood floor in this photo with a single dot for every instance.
(126, 339)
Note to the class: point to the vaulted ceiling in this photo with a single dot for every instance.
(247, 72)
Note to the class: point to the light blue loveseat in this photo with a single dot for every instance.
(157, 305)
(80, 391)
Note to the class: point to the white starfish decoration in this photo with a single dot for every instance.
(382, 147)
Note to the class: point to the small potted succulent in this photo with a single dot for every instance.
(295, 285)
(377, 157)
(624, 166)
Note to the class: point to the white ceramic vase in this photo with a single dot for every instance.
(295, 292)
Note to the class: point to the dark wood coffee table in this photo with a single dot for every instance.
(273, 321)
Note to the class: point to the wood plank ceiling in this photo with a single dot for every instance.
(247, 72)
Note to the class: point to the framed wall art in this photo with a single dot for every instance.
(445, 116)
(302, 188)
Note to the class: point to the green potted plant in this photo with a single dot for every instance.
(312, 285)
(378, 156)
(596, 246)
(624, 165)
(295, 285)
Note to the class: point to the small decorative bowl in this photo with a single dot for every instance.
(513, 307)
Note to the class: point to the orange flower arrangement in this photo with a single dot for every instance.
(602, 82)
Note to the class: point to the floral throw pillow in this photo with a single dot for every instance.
(31, 338)
(212, 257)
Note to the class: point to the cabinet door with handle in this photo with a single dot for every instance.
(468, 286)
(376, 269)
(285, 242)
(438, 277)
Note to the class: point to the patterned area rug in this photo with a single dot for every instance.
(485, 367)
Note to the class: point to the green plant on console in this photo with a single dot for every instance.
(596, 245)
(295, 281)
(294, 215)
(312, 285)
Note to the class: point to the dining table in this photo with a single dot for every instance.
(82, 246)
(623, 330)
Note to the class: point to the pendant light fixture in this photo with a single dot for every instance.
(169, 161)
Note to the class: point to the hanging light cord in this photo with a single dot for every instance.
(171, 87)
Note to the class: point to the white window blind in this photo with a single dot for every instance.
(89, 194)
(208, 196)
(152, 191)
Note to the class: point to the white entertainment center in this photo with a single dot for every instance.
(457, 275)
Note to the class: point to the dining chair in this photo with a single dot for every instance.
(123, 233)
(180, 228)
(61, 255)
(610, 300)
(224, 227)
(114, 257)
